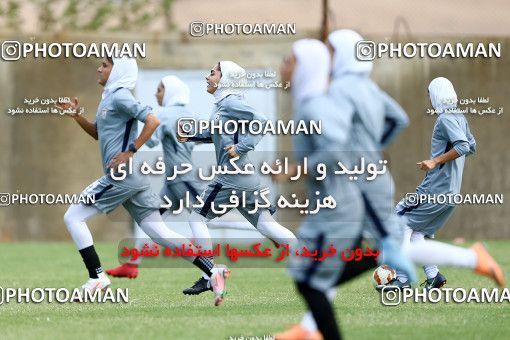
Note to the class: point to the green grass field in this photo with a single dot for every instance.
(259, 302)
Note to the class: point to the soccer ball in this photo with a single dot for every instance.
(383, 275)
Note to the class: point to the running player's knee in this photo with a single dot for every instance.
(78, 213)
(69, 217)
(265, 220)
(268, 227)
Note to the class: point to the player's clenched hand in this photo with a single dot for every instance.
(427, 165)
(182, 139)
(121, 158)
(231, 150)
(73, 106)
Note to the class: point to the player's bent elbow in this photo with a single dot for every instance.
(242, 149)
(462, 148)
(472, 149)
(152, 120)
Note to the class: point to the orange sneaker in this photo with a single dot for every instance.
(128, 270)
(298, 332)
(486, 265)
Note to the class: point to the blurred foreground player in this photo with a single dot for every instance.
(308, 68)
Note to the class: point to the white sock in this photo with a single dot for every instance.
(406, 244)
(75, 218)
(429, 252)
(271, 229)
(200, 231)
(431, 271)
(308, 322)
(406, 237)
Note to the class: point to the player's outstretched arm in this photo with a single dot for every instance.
(86, 125)
(430, 164)
(462, 145)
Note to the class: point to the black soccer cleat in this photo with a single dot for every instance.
(200, 286)
(436, 282)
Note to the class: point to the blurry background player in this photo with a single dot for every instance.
(377, 120)
(116, 129)
(172, 94)
(231, 106)
(451, 143)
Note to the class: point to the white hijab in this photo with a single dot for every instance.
(231, 76)
(124, 74)
(442, 94)
(344, 59)
(311, 73)
(176, 91)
